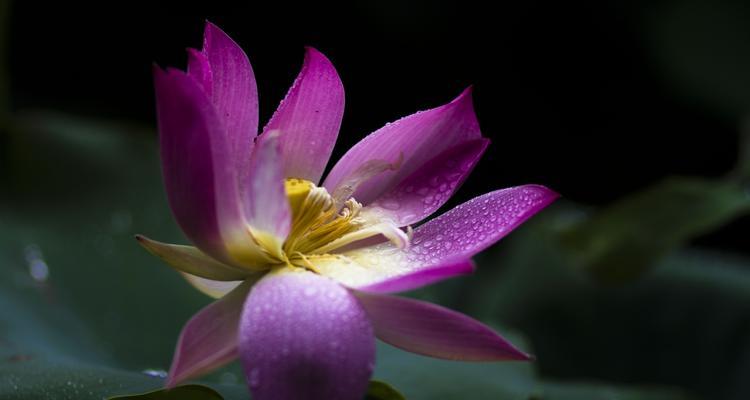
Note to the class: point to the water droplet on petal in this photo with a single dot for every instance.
(390, 204)
(254, 377)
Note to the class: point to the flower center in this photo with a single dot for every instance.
(317, 219)
(321, 224)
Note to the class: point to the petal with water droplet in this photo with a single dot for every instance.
(429, 187)
(303, 336)
(418, 138)
(456, 235)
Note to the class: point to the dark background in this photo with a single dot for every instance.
(574, 95)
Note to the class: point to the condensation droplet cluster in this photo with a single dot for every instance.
(425, 191)
(459, 233)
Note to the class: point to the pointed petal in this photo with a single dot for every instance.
(478, 223)
(429, 187)
(416, 138)
(199, 178)
(211, 288)
(193, 261)
(267, 209)
(233, 91)
(209, 339)
(309, 118)
(454, 236)
(434, 331)
(303, 336)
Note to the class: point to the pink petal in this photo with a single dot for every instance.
(429, 187)
(233, 91)
(476, 224)
(199, 177)
(266, 204)
(200, 69)
(209, 339)
(418, 137)
(303, 336)
(434, 331)
(439, 244)
(309, 118)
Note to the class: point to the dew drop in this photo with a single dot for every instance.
(38, 268)
(390, 204)
(409, 217)
(254, 377)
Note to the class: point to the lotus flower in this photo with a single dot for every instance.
(304, 272)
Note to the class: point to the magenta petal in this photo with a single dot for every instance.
(473, 226)
(429, 187)
(309, 118)
(420, 277)
(200, 69)
(209, 339)
(200, 181)
(233, 91)
(418, 138)
(438, 246)
(435, 331)
(266, 204)
(303, 336)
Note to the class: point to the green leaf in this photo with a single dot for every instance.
(378, 390)
(187, 392)
(685, 324)
(621, 241)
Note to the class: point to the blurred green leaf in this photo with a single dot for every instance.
(187, 392)
(378, 390)
(83, 309)
(685, 323)
(621, 241)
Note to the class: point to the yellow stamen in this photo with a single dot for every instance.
(320, 224)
